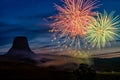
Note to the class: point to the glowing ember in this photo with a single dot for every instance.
(81, 56)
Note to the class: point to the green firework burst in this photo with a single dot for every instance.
(103, 30)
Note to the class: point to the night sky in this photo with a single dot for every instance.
(27, 18)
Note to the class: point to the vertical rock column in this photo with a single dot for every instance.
(20, 48)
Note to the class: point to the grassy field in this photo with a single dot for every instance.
(21, 70)
(108, 76)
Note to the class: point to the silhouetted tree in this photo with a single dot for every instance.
(85, 72)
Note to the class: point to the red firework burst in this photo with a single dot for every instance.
(74, 17)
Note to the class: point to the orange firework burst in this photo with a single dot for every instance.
(74, 17)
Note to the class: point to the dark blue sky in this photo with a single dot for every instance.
(25, 17)
(20, 11)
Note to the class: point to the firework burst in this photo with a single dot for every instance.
(74, 17)
(103, 30)
(73, 20)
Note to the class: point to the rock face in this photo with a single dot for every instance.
(20, 48)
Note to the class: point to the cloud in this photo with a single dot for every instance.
(37, 16)
(3, 24)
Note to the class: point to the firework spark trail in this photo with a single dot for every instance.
(73, 20)
(103, 30)
(67, 41)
